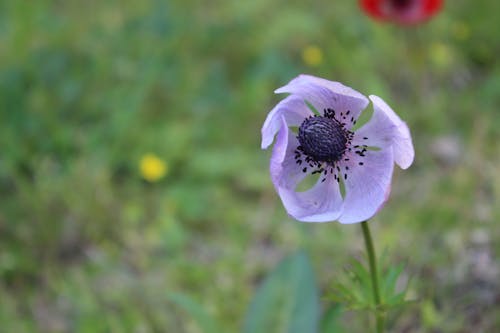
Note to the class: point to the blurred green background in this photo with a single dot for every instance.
(89, 88)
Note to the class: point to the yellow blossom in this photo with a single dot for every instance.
(312, 55)
(152, 168)
(441, 54)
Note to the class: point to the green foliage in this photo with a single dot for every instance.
(197, 312)
(354, 290)
(330, 321)
(287, 301)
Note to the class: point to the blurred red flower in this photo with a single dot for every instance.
(404, 12)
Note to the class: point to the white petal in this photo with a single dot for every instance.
(324, 94)
(401, 139)
(321, 203)
(293, 108)
(285, 172)
(367, 186)
(379, 132)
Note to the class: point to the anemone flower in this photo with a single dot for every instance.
(316, 137)
(401, 11)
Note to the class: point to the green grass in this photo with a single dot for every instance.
(88, 87)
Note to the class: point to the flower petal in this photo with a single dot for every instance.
(293, 108)
(285, 172)
(324, 94)
(372, 7)
(367, 186)
(321, 203)
(432, 6)
(379, 132)
(401, 139)
(402, 12)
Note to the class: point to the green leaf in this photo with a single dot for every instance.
(353, 288)
(207, 323)
(330, 320)
(287, 301)
(390, 279)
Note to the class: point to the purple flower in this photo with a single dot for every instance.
(316, 138)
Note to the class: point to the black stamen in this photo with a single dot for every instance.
(323, 139)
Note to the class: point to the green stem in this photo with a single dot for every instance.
(374, 275)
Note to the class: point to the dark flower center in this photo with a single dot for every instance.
(323, 138)
(401, 4)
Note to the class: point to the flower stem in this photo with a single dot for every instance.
(374, 275)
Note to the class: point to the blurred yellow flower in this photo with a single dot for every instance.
(441, 55)
(152, 168)
(312, 55)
